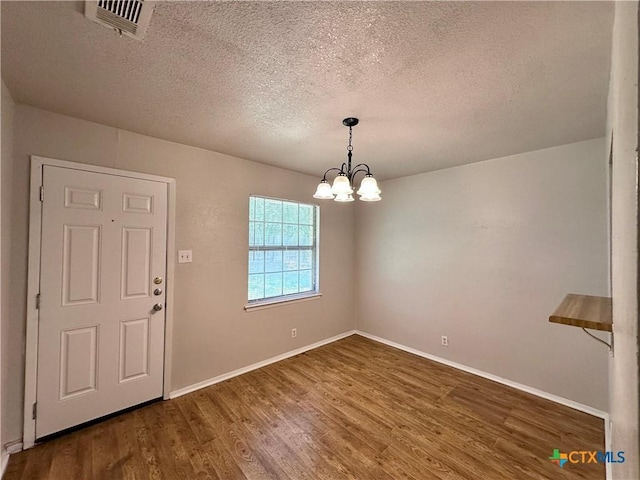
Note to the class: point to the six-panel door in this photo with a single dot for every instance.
(100, 340)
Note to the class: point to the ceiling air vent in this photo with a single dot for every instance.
(127, 17)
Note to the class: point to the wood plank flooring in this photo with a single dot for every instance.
(353, 409)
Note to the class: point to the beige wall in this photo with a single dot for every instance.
(213, 334)
(495, 236)
(8, 371)
(484, 253)
(623, 122)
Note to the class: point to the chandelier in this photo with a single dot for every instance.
(342, 188)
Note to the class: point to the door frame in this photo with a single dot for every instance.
(33, 276)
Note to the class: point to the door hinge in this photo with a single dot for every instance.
(38, 302)
(35, 410)
(42, 193)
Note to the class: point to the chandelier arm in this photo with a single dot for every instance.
(357, 170)
(324, 177)
(362, 165)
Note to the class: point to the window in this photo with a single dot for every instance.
(283, 249)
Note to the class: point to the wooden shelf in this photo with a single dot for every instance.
(584, 311)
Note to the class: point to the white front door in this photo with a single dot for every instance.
(103, 264)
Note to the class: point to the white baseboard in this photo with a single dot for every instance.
(3, 462)
(518, 386)
(9, 448)
(255, 366)
(510, 383)
(608, 446)
(14, 447)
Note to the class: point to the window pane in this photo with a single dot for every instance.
(256, 286)
(273, 234)
(273, 284)
(258, 209)
(290, 260)
(290, 282)
(290, 212)
(256, 234)
(256, 262)
(306, 280)
(290, 235)
(272, 210)
(306, 214)
(306, 235)
(273, 261)
(306, 259)
(252, 209)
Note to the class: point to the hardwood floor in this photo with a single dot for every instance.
(354, 409)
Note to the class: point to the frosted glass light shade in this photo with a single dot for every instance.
(344, 197)
(372, 197)
(324, 191)
(369, 187)
(341, 185)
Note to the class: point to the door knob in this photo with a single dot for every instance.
(157, 291)
(157, 307)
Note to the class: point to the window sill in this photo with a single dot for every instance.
(280, 302)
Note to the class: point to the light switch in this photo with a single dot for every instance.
(185, 256)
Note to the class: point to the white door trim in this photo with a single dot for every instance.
(33, 284)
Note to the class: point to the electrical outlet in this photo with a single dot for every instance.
(445, 341)
(185, 256)
(294, 332)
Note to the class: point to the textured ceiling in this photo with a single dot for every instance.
(435, 84)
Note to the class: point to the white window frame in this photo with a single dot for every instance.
(267, 302)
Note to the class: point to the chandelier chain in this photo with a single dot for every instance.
(350, 147)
